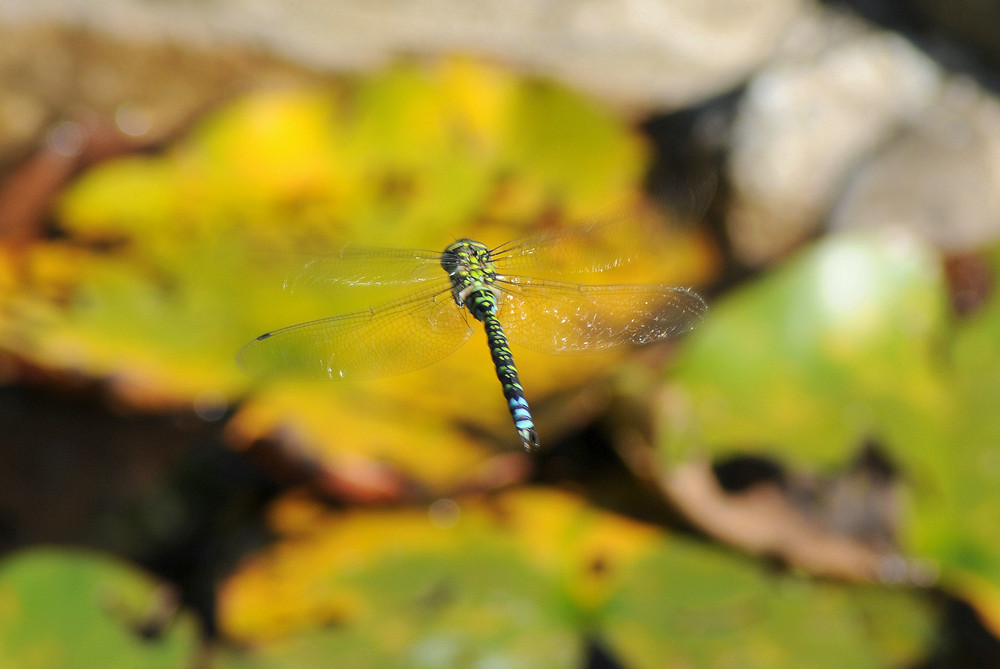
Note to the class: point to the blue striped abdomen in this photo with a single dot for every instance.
(512, 390)
(482, 303)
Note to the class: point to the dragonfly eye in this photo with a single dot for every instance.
(449, 261)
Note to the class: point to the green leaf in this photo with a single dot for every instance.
(837, 345)
(61, 608)
(848, 341)
(960, 522)
(687, 604)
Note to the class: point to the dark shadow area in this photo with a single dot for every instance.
(162, 491)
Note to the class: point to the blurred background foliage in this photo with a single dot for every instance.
(806, 479)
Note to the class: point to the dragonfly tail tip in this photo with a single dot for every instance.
(530, 439)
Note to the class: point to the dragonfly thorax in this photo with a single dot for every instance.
(472, 272)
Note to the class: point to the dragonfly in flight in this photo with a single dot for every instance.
(449, 291)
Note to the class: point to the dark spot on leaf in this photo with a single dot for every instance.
(599, 566)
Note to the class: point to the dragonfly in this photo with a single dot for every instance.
(468, 284)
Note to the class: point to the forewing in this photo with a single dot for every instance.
(601, 247)
(556, 317)
(356, 265)
(391, 339)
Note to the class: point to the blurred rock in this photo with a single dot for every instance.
(939, 174)
(659, 53)
(837, 91)
(832, 102)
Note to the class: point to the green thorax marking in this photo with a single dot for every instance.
(473, 273)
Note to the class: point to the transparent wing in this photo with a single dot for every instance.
(356, 265)
(391, 339)
(583, 250)
(556, 317)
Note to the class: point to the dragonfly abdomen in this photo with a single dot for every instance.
(503, 360)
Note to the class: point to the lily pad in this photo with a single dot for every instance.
(64, 608)
(853, 339)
